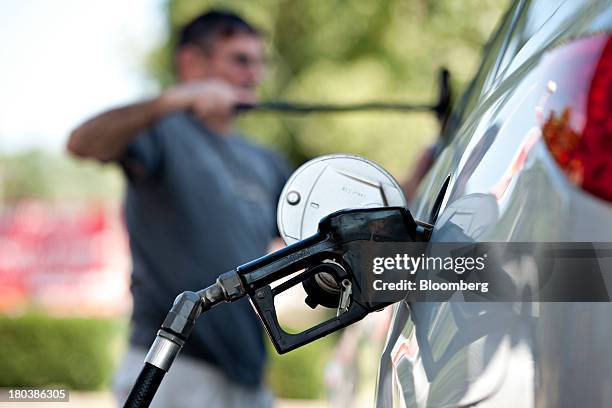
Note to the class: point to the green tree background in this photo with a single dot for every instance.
(336, 51)
(351, 51)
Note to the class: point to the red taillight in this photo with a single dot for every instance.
(577, 117)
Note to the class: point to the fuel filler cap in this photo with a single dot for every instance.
(331, 183)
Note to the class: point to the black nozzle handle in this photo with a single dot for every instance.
(263, 302)
(279, 264)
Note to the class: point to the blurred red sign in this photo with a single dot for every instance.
(62, 257)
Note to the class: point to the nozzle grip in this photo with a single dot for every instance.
(263, 302)
(339, 235)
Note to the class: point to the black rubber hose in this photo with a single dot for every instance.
(145, 387)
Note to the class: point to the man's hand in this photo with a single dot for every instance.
(213, 101)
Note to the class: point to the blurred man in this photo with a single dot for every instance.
(200, 201)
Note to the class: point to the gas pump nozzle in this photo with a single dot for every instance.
(323, 262)
(326, 262)
(327, 268)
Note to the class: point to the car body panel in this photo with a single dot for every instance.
(505, 186)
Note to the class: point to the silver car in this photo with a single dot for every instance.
(526, 157)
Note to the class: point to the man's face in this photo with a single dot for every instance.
(238, 60)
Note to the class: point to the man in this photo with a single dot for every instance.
(200, 201)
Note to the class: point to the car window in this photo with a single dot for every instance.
(547, 22)
(493, 51)
(529, 21)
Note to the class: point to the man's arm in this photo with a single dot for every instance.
(106, 136)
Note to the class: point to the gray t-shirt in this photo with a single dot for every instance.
(198, 205)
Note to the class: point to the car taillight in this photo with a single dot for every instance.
(576, 116)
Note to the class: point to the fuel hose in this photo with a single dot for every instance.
(148, 381)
